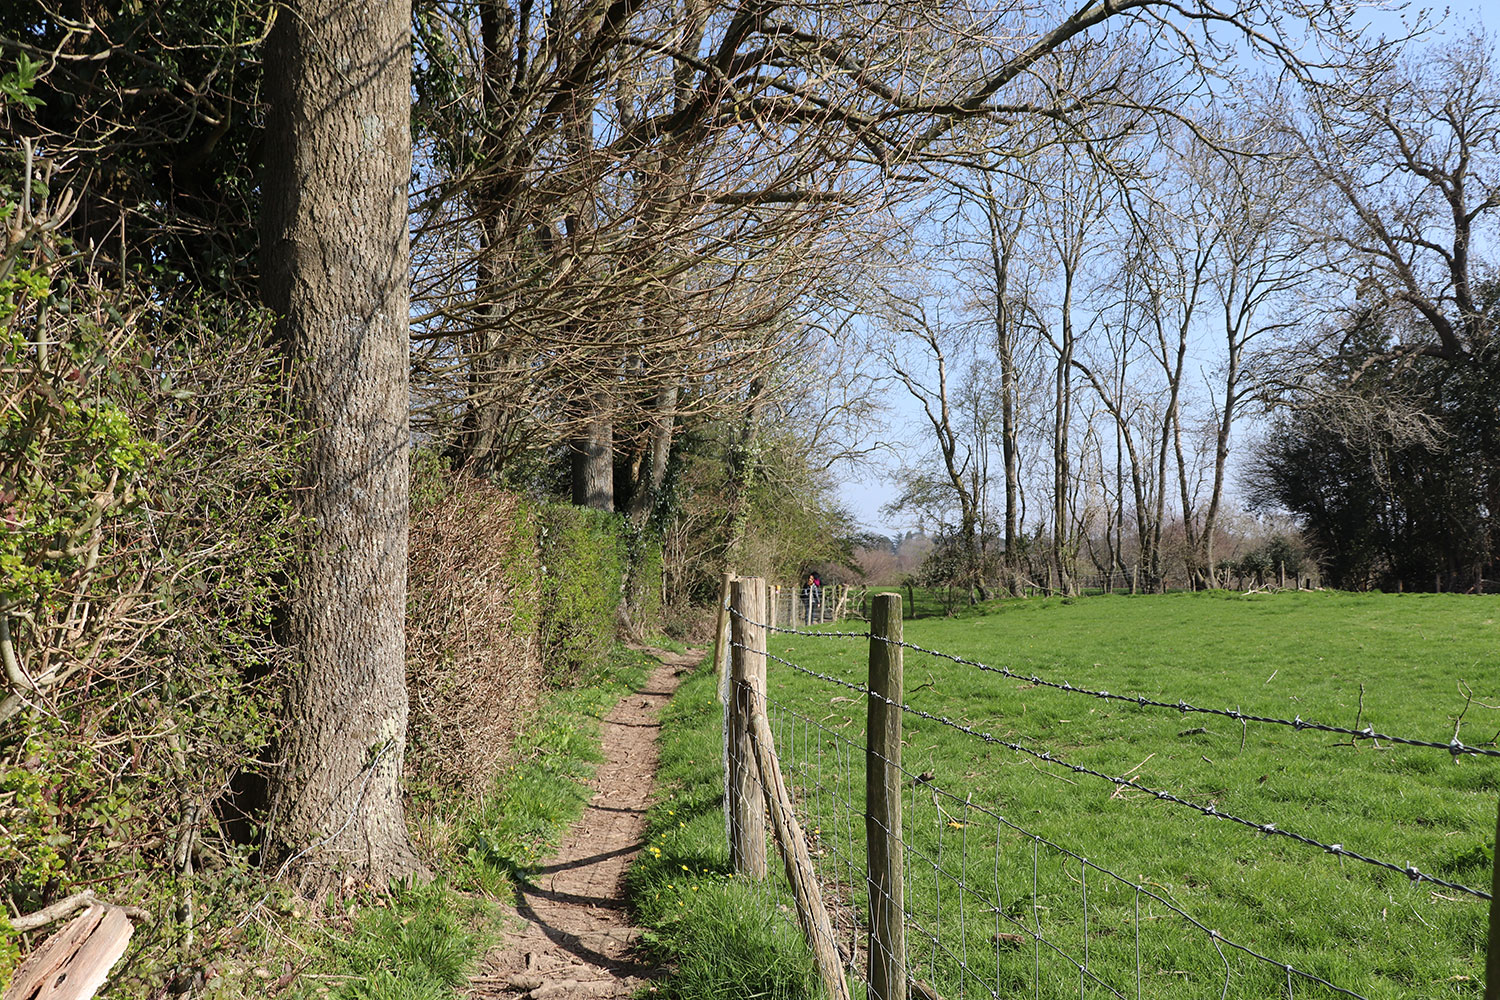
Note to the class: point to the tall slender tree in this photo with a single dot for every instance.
(335, 270)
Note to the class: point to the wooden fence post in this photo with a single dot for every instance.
(1492, 960)
(721, 638)
(747, 826)
(721, 667)
(883, 803)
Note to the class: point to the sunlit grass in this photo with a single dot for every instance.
(1308, 654)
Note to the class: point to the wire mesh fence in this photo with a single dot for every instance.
(993, 905)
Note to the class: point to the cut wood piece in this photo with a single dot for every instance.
(73, 963)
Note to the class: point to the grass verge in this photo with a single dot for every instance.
(723, 936)
(423, 943)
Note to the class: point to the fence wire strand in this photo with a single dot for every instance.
(955, 886)
(1455, 746)
(1408, 870)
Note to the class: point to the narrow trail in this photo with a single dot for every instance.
(577, 941)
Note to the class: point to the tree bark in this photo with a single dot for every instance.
(658, 452)
(1062, 541)
(744, 460)
(593, 454)
(335, 271)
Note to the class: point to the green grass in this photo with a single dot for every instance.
(723, 936)
(921, 602)
(1284, 655)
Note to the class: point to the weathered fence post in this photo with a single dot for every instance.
(721, 667)
(747, 827)
(1492, 960)
(721, 638)
(883, 803)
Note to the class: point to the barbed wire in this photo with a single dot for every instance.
(1408, 870)
(933, 937)
(1038, 840)
(1454, 747)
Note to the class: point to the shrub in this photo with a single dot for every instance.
(473, 652)
(643, 585)
(583, 564)
(147, 464)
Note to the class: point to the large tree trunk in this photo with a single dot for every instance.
(653, 472)
(593, 454)
(335, 267)
(743, 463)
(489, 411)
(594, 467)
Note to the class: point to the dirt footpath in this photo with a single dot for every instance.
(578, 941)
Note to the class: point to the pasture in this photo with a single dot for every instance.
(1000, 899)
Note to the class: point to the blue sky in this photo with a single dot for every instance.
(865, 496)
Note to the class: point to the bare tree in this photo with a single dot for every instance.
(1004, 219)
(722, 146)
(1252, 203)
(928, 379)
(1407, 153)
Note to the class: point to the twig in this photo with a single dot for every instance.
(67, 907)
(51, 914)
(1049, 774)
(1468, 694)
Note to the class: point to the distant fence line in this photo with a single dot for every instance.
(909, 823)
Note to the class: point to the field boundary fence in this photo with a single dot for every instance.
(877, 855)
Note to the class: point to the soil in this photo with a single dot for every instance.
(576, 940)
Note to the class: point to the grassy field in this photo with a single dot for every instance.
(1368, 931)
